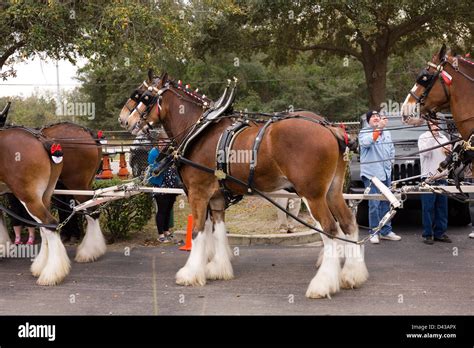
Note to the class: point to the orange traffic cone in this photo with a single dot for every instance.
(189, 234)
(123, 172)
(106, 172)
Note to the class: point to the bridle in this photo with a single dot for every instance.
(428, 80)
(153, 95)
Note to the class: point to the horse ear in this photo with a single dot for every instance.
(150, 75)
(442, 52)
(164, 78)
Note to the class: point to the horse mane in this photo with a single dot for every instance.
(469, 63)
(197, 96)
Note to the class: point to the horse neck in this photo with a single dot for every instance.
(180, 116)
(462, 100)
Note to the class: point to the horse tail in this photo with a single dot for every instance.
(344, 140)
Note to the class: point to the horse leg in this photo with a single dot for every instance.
(318, 226)
(93, 244)
(52, 264)
(219, 266)
(194, 271)
(327, 279)
(41, 259)
(354, 273)
(4, 237)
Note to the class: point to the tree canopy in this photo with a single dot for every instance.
(334, 57)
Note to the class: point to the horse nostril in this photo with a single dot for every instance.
(126, 124)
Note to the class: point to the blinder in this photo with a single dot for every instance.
(425, 78)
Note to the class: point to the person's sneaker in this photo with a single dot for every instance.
(471, 235)
(391, 236)
(291, 229)
(375, 239)
(17, 240)
(30, 241)
(444, 238)
(282, 229)
(163, 240)
(428, 240)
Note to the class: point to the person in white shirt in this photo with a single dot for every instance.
(434, 206)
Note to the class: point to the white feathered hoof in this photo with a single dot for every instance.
(320, 258)
(189, 277)
(39, 263)
(354, 274)
(93, 245)
(57, 265)
(323, 285)
(41, 259)
(219, 269)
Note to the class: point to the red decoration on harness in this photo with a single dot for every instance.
(446, 78)
(100, 134)
(467, 55)
(346, 137)
(55, 147)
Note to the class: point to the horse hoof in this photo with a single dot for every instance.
(84, 257)
(353, 275)
(48, 279)
(323, 285)
(219, 270)
(190, 278)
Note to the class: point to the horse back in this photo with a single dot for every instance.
(82, 153)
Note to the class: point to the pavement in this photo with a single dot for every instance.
(406, 278)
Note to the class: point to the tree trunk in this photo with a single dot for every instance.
(375, 70)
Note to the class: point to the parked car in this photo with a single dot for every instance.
(405, 166)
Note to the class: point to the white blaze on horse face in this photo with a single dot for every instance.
(409, 105)
(124, 114)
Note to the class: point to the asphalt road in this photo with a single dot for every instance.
(406, 277)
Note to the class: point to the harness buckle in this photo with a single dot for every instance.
(220, 175)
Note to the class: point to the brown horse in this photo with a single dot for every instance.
(447, 81)
(294, 153)
(31, 175)
(82, 156)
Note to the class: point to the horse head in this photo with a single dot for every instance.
(162, 101)
(128, 115)
(430, 93)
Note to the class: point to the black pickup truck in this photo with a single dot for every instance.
(405, 166)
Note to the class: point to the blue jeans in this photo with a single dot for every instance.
(435, 212)
(378, 209)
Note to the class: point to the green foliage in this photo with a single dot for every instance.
(369, 30)
(125, 216)
(32, 111)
